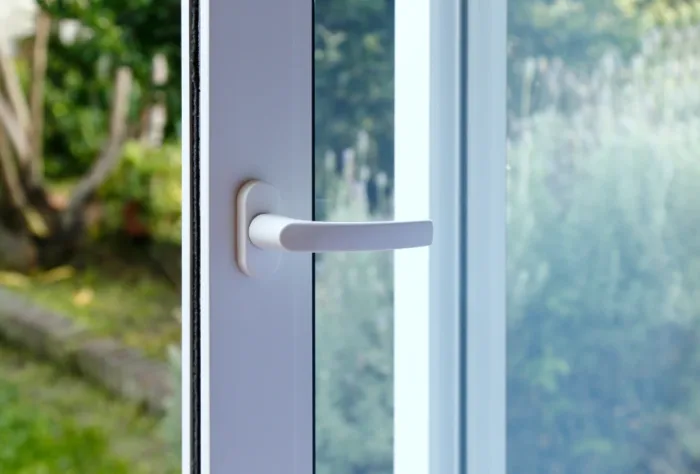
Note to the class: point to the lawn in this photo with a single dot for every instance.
(51, 422)
(54, 422)
(126, 294)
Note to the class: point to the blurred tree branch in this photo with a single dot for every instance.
(38, 86)
(111, 152)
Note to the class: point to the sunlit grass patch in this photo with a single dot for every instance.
(50, 422)
(128, 299)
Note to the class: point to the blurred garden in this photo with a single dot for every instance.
(90, 199)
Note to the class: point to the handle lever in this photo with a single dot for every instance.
(262, 236)
(273, 232)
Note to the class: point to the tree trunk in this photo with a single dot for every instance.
(22, 250)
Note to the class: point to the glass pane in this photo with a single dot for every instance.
(353, 182)
(603, 254)
(89, 262)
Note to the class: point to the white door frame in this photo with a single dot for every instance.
(249, 397)
(257, 334)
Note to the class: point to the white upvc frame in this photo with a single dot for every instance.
(427, 282)
(485, 27)
(450, 326)
(254, 372)
(256, 122)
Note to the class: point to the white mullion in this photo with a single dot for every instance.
(412, 267)
(486, 29)
(446, 276)
(427, 282)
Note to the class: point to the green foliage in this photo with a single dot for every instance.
(543, 35)
(76, 118)
(152, 177)
(354, 72)
(578, 30)
(78, 94)
(80, 73)
(354, 50)
(131, 30)
(54, 423)
(652, 13)
(38, 434)
(43, 442)
(603, 320)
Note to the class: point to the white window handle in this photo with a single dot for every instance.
(273, 232)
(262, 235)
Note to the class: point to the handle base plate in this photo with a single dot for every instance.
(254, 197)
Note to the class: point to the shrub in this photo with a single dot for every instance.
(151, 178)
(603, 319)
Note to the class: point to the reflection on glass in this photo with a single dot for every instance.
(603, 254)
(353, 174)
(89, 261)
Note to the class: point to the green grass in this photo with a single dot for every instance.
(51, 423)
(126, 297)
